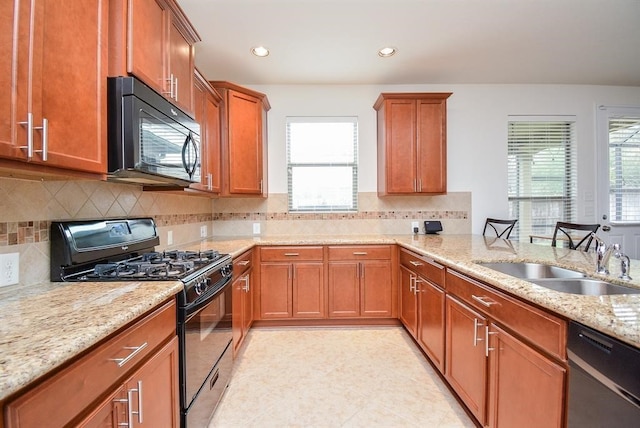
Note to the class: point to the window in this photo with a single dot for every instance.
(541, 173)
(322, 163)
(624, 169)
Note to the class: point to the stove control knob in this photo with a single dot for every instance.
(201, 286)
(226, 270)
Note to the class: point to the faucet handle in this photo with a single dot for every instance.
(625, 265)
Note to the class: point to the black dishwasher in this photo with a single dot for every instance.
(604, 380)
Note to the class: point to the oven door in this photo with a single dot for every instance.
(204, 335)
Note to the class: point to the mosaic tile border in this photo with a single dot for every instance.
(362, 215)
(30, 232)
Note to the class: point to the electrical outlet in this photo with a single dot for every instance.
(203, 231)
(256, 228)
(170, 237)
(415, 227)
(9, 269)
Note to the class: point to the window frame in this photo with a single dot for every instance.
(291, 205)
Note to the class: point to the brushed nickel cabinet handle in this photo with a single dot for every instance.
(359, 253)
(291, 254)
(476, 324)
(45, 138)
(244, 262)
(483, 300)
(486, 340)
(135, 351)
(29, 125)
(414, 263)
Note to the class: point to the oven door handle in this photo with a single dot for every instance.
(205, 299)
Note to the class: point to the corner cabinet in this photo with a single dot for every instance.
(53, 81)
(131, 380)
(153, 40)
(206, 103)
(244, 140)
(412, 143)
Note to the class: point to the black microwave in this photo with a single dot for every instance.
(150, 141)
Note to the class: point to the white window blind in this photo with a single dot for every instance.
(541, 173)
(322, 164)
(624, 169)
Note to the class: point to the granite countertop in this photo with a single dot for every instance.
(43, 326)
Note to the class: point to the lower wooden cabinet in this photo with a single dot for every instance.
(361, 282)
(525, 387)
(422, 303)
(147, 398)
(242, 291)
(137, 371)
(292, 282)
(507, 374)
(466, 366)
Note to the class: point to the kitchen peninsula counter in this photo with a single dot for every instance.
(45, 325)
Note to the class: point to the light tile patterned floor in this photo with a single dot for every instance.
(335, 377)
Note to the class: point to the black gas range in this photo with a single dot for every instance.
(124, 250)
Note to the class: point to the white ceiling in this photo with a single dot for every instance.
(438, 41)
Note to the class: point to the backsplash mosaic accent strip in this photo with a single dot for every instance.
(29, 232)
(362, 215)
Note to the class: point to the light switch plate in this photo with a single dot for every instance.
(203, 231)
(415, 225)
(256, 228)
(170, 237)
(9, 269)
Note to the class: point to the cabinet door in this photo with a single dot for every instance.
(68, 49)
(112, 413)
(408, 301)
(521, 372)
(244, 143)
(344, 289)
(238, 295)
(431, 323)
(466, 367)
(432, 146)
(180, 67)
(146, 54)
(375, 288)
(400, 145)
(275, 290)
(247, 302)
(308, 290)
(153, 390)
(7, 37)
(212, 160)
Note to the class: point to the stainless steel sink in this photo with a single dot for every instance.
(560, 279)
(533, 270)
(585, 286)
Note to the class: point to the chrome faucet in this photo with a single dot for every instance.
(603, 253)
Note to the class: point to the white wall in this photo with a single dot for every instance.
(477, 131)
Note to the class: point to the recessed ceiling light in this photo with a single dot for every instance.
(386, 52)
(260, 51)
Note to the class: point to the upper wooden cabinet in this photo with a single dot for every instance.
(412, 143)
(244, 140)
(53, 80)
(206, 103)
(153, 40)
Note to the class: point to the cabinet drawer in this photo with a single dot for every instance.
(424, 267)
(242, 263)
(539, 327)
(360, 252)
(70, 392)
(290, 254)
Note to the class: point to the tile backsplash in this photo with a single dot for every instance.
(28, 207)
(389, 215)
